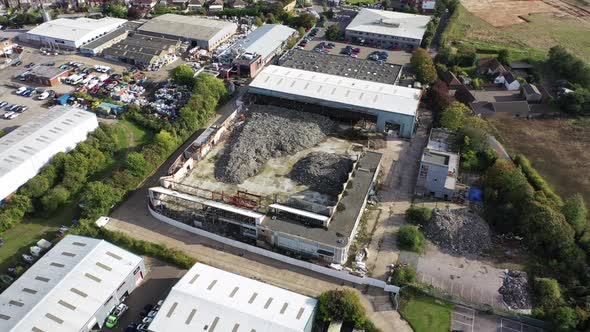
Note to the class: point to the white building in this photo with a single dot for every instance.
(387, 29)
(24, 151)
(213, 300)
(388, 104)
(266, 41)
(439, 166)
(71, 33)
(73, 287)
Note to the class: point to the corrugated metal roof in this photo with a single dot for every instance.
(265, 39)
(80, 29)
(208, 299)
(344, 92)
(24, 151)
(188, 27)
(66, 287)
(389, 23)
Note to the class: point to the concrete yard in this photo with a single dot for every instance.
(274, 178)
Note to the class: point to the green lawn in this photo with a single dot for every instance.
(139, 136)
(425, 313)
(527, 40)
(18, 239)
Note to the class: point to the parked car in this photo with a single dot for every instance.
(49, 64)
(13, 116)
(113, 318)
(21, 90)
(43, 96)
(6, 279)
(142, 327)
(147, 320)
(2, 104)
(18, 63)
(8, 114)
(13, 107)
(28, 259)
(30, 65)
(11, 271)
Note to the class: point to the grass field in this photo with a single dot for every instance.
(526, 40)
(23, 235)
(426, 314)
(558, 149)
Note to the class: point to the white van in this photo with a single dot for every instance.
(21, 90)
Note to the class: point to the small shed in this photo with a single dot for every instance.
(108, 108)
(531, 93)
(63, 99)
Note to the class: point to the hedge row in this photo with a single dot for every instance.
(536, 180)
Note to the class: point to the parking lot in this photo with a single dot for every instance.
(468, 320)
(395, 57)
(160, 278)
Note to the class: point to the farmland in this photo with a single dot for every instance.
(528, 39)
(558, 149)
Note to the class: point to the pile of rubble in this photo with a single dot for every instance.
(516, 291)
(270, 132)
(323, 172)
(459, 230)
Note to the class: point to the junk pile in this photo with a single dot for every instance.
(459, 230)
(515, 290)
(323, 172)
(270, 132)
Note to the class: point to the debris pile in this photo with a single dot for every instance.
(515, 290)
(323, 172)
(459, 230)
(271, 132)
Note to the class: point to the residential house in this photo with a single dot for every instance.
(450, 78)
(195, 5)
(516, 108)
(238, 4)
(428, 6)
(177, 3)
(510, 82)
(465, 79)
(490, 67)
(143, 3)
(216, 5)
(531, 93)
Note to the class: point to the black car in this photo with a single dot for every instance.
(49, 64)
(30, 65)
(18, 63)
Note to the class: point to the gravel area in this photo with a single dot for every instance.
(323, 172)
(459, 230)
(515, 290)
(269, 133)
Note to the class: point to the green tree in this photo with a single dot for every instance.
(410, 238)
(547, 293)
(453, 117)
(75, 171)
(341, 305)
(98, 198)
(165, 141)
(403, 275)
(136, 164)
(575, 213)
(418, 215)
(115, 10)
(55, 198)
(564, 319)
(504, 56)
(2, 132)
(420, 57)
(183, 74)
(333, 32)
(258, 22)
(36, 187)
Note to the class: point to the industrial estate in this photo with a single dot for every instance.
(289, 166)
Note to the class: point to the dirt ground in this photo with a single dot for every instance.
(501, 13)
(558, 149)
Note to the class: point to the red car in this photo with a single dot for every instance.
(356, 50)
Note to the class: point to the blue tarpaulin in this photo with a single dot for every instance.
(111, 108)
(475, 194)
(63, 99)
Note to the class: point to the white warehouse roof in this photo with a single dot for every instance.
(344, 92)
(64, 289)
(213, 300)
(265, 39)
(389, 23)
(25, 150)
(80, 30)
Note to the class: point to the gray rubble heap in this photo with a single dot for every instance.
(515, 290)
(269, 133)
(323, 172)
(459, 230)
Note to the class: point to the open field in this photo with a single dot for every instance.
(426, 314)
(499, 13)
(529, 39)
(558, 149)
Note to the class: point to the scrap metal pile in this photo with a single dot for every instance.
(270, 132)
(459, 230)
(323, 172)
(515, 290)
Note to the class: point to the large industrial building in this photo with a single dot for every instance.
(387, 29)
(24, 151)
(141, 50)
(389, 106)
(73, 287)
(213, 300)
(257, 49)
(64, 33)
(202, 32)
(439, 166)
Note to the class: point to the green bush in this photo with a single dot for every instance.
(418, 215)
(343, 305)
(403, 275)
(410, 238)
(547, 293)
(536, 180)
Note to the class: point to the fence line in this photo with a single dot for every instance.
(282, 258)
